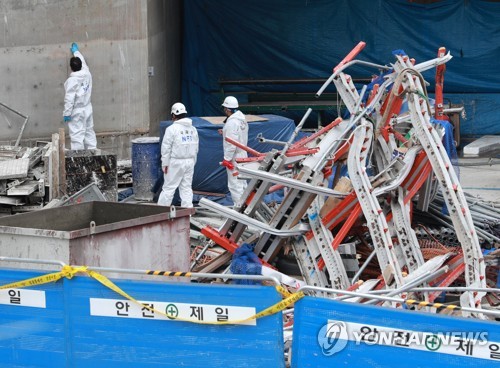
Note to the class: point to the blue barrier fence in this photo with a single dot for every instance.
(80, 323)
(338, 334)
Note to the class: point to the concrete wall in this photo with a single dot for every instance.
(120, 39)
(165, 56)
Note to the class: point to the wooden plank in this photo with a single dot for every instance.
(53, 168)
(62, 165)
(13, 169)
(23, 189)
(215, 263)
(48, 165)
(9, 152)
(13, 201)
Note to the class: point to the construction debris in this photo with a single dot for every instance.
(368, 227)
(33, 178)
(124, 173)
(91, 166)
(395, 222)
(22, 179)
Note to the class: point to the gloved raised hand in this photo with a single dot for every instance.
(74, 47)
(67, 118)
(227, 164)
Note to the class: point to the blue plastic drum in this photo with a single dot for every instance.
(146, 166)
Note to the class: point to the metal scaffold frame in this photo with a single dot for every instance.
(390, 156)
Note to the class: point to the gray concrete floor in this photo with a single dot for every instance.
(481, 177)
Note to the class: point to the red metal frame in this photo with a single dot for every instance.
(344, 230)
(244, 148)
(341, 207)
(312, 137)
(438, 92)
(224, 242)
(354, 52)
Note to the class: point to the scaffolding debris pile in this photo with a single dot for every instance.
(363, 234)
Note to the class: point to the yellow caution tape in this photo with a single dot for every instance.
(284, 292)
(278, 307)
(70, 271)
(290, 298)
(67, 271)
(45, 279)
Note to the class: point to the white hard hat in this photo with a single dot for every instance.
(230, 102)
(178, 108)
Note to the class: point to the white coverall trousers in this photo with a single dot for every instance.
(235, 185)
(180, 174)
(81, 129)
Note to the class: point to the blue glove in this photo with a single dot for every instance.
(74, 47)
(67, 118)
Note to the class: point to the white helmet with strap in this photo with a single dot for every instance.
(230, 102)
(178, 108)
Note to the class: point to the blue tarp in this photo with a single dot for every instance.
(283, 39)
(209, 176)
(481, 111)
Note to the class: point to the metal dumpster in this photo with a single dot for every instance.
(105, 234)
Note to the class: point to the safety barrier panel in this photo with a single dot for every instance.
(329, 333)
(78, 322)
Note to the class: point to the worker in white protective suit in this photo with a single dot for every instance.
(236, 128)
(77, 106)
(179, 150)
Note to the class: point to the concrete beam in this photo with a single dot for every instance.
(119, 46)
(482, 145)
